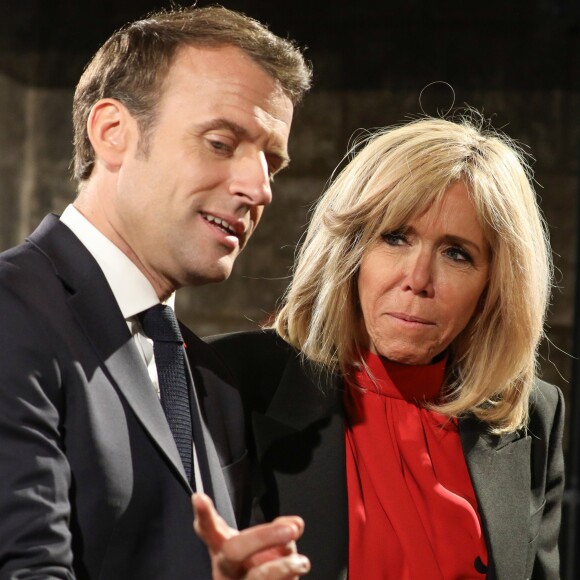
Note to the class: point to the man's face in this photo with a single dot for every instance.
(188, 206)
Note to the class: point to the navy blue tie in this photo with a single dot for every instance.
(160, 324)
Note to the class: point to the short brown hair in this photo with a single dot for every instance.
(133, 63)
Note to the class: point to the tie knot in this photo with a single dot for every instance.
(160, 324)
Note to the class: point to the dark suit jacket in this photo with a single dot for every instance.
(298, 433)
(91, 483)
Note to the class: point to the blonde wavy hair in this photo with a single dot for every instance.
(395, 175)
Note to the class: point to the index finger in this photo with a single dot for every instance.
(208, 524)
(279, 534)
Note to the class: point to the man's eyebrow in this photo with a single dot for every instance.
(221, 123)
(242, 132)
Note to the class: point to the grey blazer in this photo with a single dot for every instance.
(91, 484)
(297, 435)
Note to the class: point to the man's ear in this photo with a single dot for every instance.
(112, 131)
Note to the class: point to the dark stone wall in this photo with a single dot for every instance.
(518, 62)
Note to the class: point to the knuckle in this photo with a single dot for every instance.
(231, 551)
(226, 567)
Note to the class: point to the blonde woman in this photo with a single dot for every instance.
(395, 404)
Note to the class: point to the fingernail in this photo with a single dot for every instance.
(286, 533)
(301, 564)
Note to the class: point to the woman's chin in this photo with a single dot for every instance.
(408, 354)
(415, 359)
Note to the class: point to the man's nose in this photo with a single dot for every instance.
(419, 273)
(252, 179)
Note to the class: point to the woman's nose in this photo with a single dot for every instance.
(419, 274)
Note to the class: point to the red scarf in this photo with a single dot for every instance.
(412, 509)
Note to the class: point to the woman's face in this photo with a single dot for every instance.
(420, 285)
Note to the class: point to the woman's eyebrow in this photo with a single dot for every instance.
(451, 239)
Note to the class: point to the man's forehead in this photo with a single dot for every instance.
(225, 66)
(207, 58)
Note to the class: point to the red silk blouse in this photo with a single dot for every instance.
(412, 510)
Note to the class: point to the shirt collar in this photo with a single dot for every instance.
(132, 290)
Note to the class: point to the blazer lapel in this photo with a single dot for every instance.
(303, 396)
(300, 444)
(298, 403)
(95, 308)
(500, 473)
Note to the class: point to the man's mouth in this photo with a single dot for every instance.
(220, 223)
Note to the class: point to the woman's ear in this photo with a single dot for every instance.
(111, 129)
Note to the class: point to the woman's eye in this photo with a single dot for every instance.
(394, 238)
(459, 255)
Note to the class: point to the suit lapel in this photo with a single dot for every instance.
(215, 485)
(500, 473)
(95, 308)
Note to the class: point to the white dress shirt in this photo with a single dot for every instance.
(132, 290)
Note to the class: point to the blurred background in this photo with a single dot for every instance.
(375, 63)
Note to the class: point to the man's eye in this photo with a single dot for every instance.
(275, 165)
(220, 146)
(272, 171)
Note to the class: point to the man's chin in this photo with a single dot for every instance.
(212, 276)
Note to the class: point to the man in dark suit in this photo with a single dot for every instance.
(180, 122)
